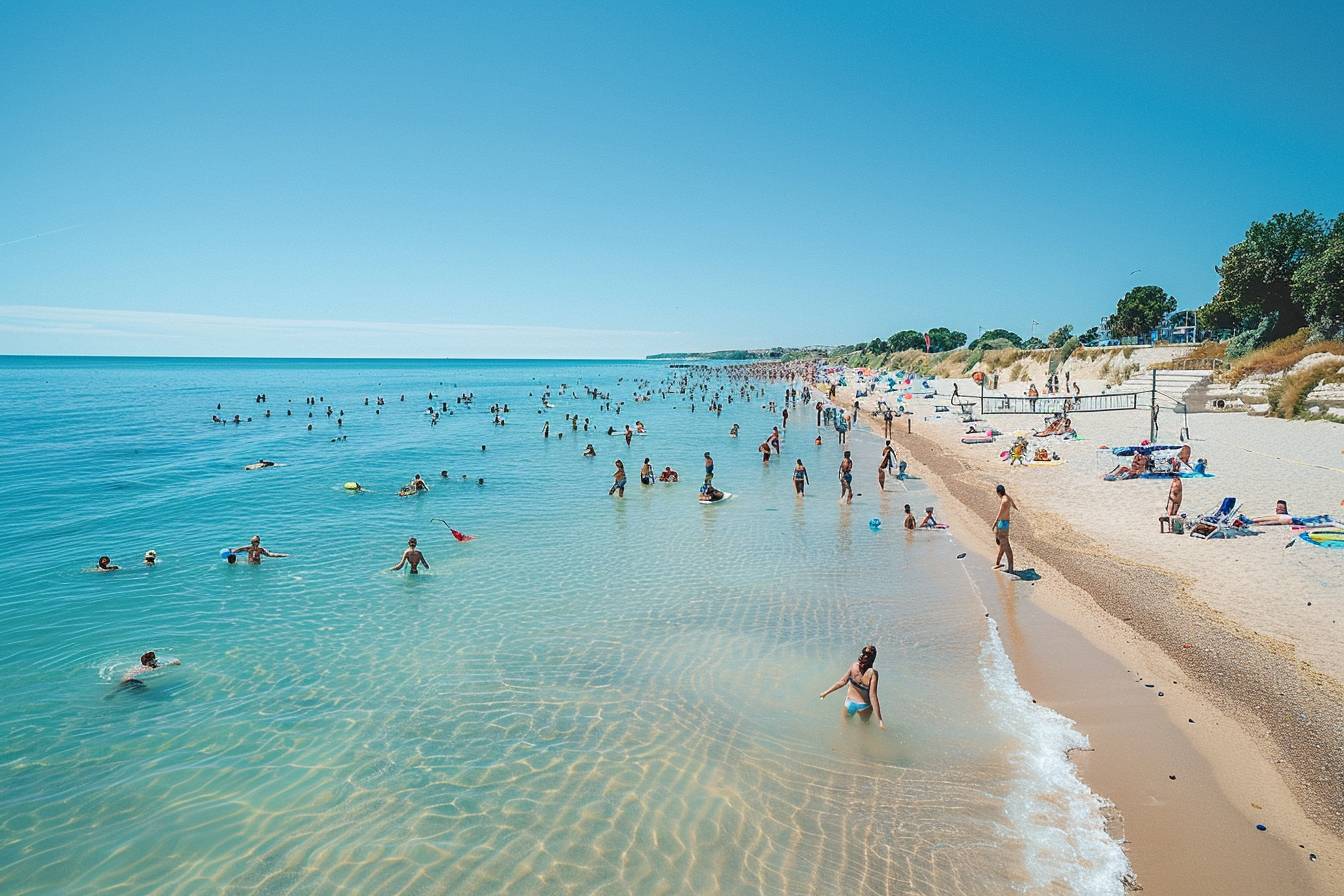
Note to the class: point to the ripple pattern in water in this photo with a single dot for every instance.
(595, 696)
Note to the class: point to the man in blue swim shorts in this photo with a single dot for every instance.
(1000, 527)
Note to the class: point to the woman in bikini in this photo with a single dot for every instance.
(861, 698)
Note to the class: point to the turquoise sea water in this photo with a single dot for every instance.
(595, 696)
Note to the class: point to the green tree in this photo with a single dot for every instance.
(993, 335)
(1060, 336)
(941, 339)
(1318, 286)
(1033, 342)
(1091, 336)
(1140, 311)
(1256, 275)
(905, 339)
(876, 347)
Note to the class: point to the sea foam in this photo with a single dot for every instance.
(1061, 822)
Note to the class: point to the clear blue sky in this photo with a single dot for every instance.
(614, 180)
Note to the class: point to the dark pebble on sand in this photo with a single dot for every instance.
(1261, 827)
(1191, 721)
(1149, 685)
(1160, 694)
(1172, 777)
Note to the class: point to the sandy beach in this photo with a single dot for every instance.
(1239, 637)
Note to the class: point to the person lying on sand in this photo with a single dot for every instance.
(1060, 426)
(1137, 467)
(1280, 516)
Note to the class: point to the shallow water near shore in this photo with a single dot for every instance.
(596, 695)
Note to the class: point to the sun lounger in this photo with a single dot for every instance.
(1219, 523)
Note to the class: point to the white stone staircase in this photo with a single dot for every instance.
(1172, 385)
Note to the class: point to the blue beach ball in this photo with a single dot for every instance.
(224, 554)
(874, 524)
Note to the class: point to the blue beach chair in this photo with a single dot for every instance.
(1217, 524)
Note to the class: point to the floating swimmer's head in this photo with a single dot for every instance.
(411, 541)
(256, 539)
(149, 659)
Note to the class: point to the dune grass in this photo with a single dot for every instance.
(1279, 356)
(1288, 396)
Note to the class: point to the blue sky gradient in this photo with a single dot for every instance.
(548, 180)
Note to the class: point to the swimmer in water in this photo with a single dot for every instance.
(862, 680)
(151, 557)
(733, 432)
(105, 564)
(800, 480)
(412, 556)
(709, 494)
(260, 465)
(668, 475)
(909, 518)
(618, 487)
(764, 448)
(415, 486)
(646, 473)
(148, 662)
(928, 522)
(590, 451)
(255, 551)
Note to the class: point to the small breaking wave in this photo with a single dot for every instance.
(1061, 822)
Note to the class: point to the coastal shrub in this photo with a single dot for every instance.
(1247, 341)
(1018, 373)
(1288, 397)
(1062, 354)
(973, 357)
(1068, 348)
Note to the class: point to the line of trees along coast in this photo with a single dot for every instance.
(1285, 276)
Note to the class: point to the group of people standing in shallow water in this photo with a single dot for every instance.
(743, 386)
